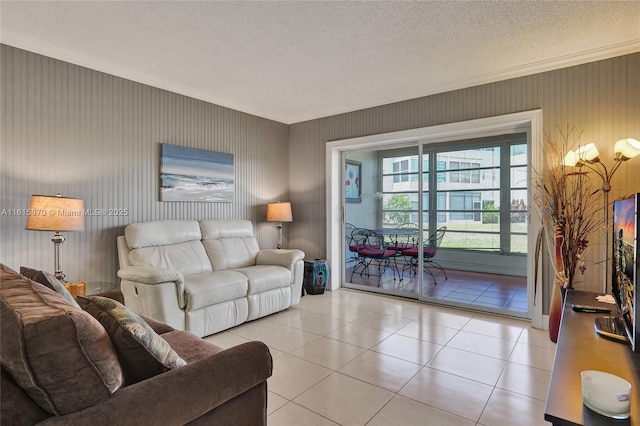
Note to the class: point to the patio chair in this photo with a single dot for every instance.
(372, 252)
(430, 250)
(350, 244)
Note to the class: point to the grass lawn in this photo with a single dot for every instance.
(483, 239)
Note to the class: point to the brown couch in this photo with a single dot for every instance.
(60, 366)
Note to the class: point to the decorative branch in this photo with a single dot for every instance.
(569, 206)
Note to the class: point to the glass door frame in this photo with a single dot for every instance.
(527, 121)
(376, 221)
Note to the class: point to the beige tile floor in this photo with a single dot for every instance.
(476, 289)
(353, 358)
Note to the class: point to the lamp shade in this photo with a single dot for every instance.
(571, 159)
(588, 153)
(279, 212)
(627, 148)
(55, 213)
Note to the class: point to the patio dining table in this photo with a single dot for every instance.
(393, 234)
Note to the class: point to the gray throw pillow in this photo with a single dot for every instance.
(59, 355)
(50, 281)
(142, 352)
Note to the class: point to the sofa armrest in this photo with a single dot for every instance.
(282, 257)
(183, 394)
(150, 275)
(291, 259)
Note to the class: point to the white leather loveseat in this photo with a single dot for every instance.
(205, 276)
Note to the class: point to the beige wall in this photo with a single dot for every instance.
(91, 135)
(601, 98)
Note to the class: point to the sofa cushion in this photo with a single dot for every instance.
(58, 354)
(161, 233)
(266, 277)
(17, 407)
(50, 281)
(143, 353)
(187, 257)
(229, 243)
(215, 229)
(213, 288)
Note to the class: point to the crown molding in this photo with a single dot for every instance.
(592, 55)
(581, 58)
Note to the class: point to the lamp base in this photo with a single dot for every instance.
(279, 226)
(57, 240)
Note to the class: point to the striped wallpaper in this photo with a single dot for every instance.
(600, 98)
(86, 134)
(91, 135)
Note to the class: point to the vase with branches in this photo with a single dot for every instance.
(570, 207)
(570, 213)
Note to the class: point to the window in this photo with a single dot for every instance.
(399, 187)
(465, 175)
(454, 176)
(441, 177)
(400, 169)
(475, 174)
(482, 204)
(519, 209)
(461, 205)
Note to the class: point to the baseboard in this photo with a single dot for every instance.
(545, 322)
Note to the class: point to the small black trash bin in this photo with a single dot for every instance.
(316, 275)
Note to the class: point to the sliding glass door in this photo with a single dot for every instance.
(472, 194)
(389, 208)
(481, 188)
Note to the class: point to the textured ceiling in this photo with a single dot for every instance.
(295, 61)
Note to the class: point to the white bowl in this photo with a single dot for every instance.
(606, 394)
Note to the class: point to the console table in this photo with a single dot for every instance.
(580, 348)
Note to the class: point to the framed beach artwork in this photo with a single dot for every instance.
(191, 174)
(353, 181)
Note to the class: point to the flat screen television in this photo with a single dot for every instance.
(625, 272)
